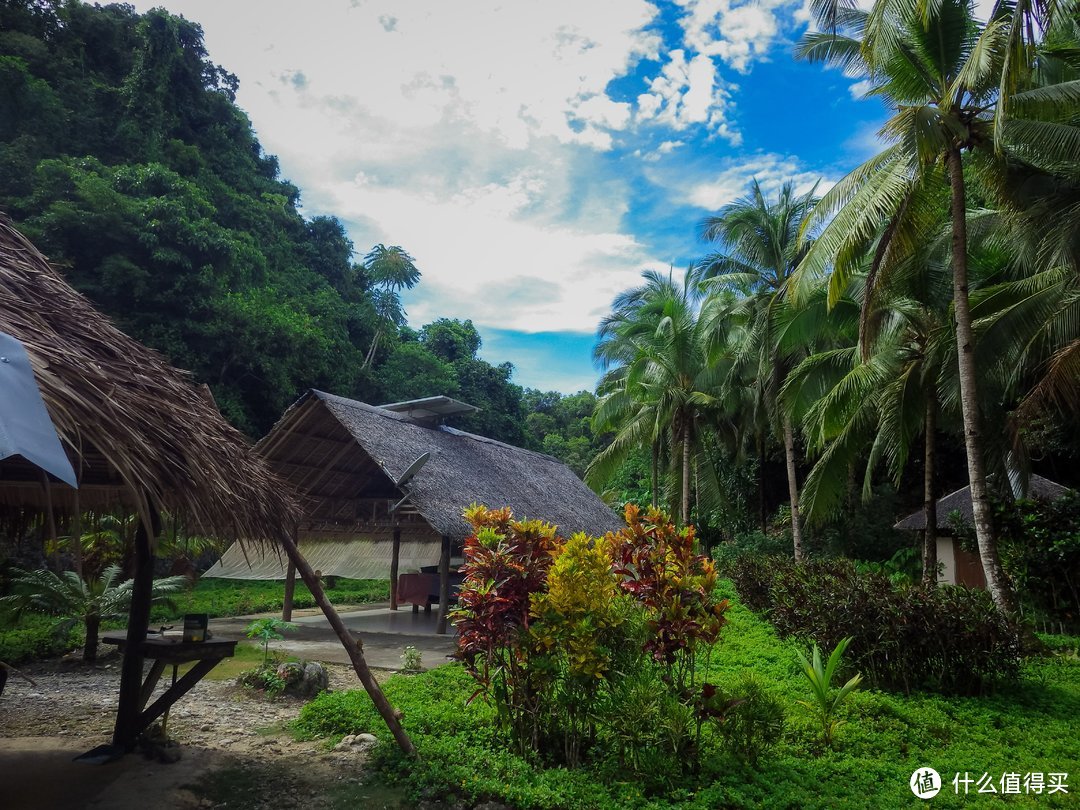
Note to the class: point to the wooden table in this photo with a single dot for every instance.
(164, 650)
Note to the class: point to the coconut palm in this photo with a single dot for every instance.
(391, 270)
(760, 249)
(74, 599)
(660, 376)
(940, 70)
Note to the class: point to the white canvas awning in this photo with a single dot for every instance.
(355, 559)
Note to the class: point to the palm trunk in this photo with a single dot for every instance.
(686, 475)
(763, 516)
(655, 473)
(793, 488)
(929, 550)
(93, 624)
(996, 582)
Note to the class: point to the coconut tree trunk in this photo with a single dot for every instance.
(996, 582)
(929, 550)
(93, 624)
(353, 647)
(655, 473)
(793, 488)
(685, 474)
(763, 516)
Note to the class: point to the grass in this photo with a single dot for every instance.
(232, 597)
(1028, 726)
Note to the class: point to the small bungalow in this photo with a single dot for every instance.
(383, 489)
(959, 567)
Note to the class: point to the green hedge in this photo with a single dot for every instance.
(34, 637)
(949, 639)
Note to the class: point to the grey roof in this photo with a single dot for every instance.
(1039, 488)
(463, 469)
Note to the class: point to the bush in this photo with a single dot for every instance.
(37, 637)
(550, 628)
(948, 639)
(755, 725)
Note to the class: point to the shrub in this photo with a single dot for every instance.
(948, 639)
(34, 637)
(553, 631)
(755, 724)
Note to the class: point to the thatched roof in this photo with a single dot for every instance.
(130, 422)
(345, 458)
(1039, 488)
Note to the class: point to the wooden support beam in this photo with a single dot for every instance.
(444, 585)
(353, 646)
(128, 705)
(395, 558)
(172, 694)
(290, 588)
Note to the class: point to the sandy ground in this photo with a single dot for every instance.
(220, 727)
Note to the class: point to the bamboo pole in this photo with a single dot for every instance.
(354, 648)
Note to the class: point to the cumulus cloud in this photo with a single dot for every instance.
(732, 178)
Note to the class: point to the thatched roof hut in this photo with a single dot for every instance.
(345, 459)
(1039, 488)
(137, 430)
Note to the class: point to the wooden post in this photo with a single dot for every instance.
(290, 587)
(129, 704)
(50, 520)
(444, 585)
(352, 646)
(395, 556)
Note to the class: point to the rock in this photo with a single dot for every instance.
(226, 741)
(492, 806)
(367, 739)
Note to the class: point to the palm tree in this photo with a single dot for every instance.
(660, 375)
(391, 270)
(760, 250)
(940, 70)
(89, 601)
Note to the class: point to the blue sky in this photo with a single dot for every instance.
(534, 158)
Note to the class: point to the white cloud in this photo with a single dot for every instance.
(733, 178)
(737, 33)
(860, 89)
(688, 93)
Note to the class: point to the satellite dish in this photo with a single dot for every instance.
(399, 504)
(414, 468)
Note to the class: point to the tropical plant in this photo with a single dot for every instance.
(940, 70)
(390, 269)
(663, 371)
(827, 699)
(267, 630)
(89, 601)
(760, 249)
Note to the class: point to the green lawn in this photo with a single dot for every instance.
(1029, 726)
(234, 597)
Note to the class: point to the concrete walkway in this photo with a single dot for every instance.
(383, 632)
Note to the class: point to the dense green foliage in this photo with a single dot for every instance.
(560, 634)
(34, 637)
(886, 737)
(950, 639)
(125, 159)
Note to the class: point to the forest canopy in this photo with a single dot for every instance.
(125, 158)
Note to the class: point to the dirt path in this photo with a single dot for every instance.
(236, 751)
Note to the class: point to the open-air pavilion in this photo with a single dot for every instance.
(139, 436)
(383, 489)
